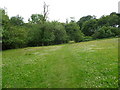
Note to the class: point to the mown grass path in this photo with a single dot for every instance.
(80, 65)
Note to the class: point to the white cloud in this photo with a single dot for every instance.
(60, 9)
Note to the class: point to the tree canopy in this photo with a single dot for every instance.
(39, 31)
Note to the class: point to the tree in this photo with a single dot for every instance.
(78, 36)
(105, 32)
(14, 34)
(83, 19)
(4, 18)
(34, 35)
(38, 31)
(103, 21)
(113, 19)
(116, 31)
(15, 37)
(48, 34)
(45, 11)
(36, 19)
(60, 33)
(89, 27)
(109, 20)
(4, 21)
(73, 32)
(16, 20)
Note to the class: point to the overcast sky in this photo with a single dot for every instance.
(60, 9)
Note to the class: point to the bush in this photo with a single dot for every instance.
(116, 31)
(87, 38)
(73, 31)
(105, 32)
(15, 37)
(34, 35)
(79, 36)
(59, 33)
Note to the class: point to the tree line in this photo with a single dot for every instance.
(41, 32)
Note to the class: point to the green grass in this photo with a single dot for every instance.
(0, 70)
(92, 64)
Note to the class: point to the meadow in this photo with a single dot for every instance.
(92, 64)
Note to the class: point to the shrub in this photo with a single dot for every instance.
(105, 32)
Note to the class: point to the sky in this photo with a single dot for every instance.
(60, 10)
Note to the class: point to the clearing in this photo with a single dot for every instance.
(92, 64)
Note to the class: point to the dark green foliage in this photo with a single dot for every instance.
(47, 33)
(3, 17)
(14, 34)
(83, 19)
(40, 32)
(103, 21)
(113, 20)
(14, 37)
(17, 20)
(109, 20)
(106, 32)
(36, 18)
(73, 31)
(89, 27)
(60, 33)
(88, 38)
(78, 36)
(34, 35)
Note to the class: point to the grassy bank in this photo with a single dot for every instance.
(79, 65)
